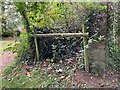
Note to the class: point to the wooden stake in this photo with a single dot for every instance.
(86, 62)
(36, 46)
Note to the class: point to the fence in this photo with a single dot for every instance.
(84, 35)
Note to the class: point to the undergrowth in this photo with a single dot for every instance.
(16, 77)
(24, 76)
(114, 57)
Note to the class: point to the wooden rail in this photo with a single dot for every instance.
(61, 35)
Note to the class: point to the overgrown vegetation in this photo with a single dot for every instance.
(60, 58)
(114, 57)
(114, 46)
(44, 15)
(17, 77)
(55, 75)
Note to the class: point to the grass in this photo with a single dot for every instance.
(5, 43)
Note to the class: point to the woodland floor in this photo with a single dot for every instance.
(78, 78)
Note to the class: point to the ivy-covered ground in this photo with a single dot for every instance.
(55, 76)
(63, 74)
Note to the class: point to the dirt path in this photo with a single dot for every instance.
(96, 80)
(5, 59)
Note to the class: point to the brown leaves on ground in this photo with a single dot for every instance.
(65, 72)
(68, 73)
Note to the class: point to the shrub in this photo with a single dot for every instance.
(114, 56)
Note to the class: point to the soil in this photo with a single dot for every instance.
(97, 54)
(82, 79)
(5, 59)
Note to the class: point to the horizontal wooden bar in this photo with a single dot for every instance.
(61, 35)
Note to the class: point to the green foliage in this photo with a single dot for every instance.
(114, 56)
(4, 45)
(9, 68)
(40, 14)
(113, 46)
(57, 14)
(20, 6)
(64, 48)
(21, 47)
(69, 16)
(7, 33)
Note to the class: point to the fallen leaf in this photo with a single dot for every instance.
(23, 83)
(9, 79)
(28, 74)
(52, 60)
(55, 78)
(62, 77)
(2, 74)
(49, 68)
(78, 81)
(18, 76)
(113, 81)
(59, 71)
(91, 77)
(61, 61)
(102, 85)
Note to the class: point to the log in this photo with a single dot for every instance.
(61, 35)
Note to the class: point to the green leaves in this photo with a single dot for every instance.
(114, 56)
(21, 6)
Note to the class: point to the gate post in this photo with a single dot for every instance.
(85, 42)
(36, 46)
